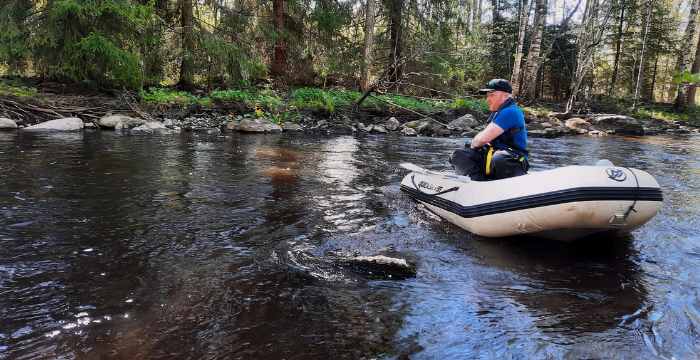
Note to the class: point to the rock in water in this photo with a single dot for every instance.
(380, 267)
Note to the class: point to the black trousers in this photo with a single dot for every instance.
(503, 164)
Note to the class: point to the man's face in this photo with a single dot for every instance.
(496, 99)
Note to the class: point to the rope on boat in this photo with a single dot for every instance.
(413, 180)
(636, 195)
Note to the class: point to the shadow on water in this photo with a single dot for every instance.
(589, 285)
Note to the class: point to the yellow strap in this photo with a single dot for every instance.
(488, 161)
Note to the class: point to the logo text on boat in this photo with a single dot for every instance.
(429, 186)
(616, 174)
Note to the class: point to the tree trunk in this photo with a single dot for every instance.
(589, 38)
(479, 11)
(584, 38)
(695, 69)
(640, 76)
(687, 52)
(187, 63)
(533, 58)
(618, 45)
(369, 42)
(395, 16)
(280, 69)
(673, 88)
(653, 76)
(515, 78)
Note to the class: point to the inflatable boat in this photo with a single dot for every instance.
(565, 203)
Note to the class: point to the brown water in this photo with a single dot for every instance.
(198, 247)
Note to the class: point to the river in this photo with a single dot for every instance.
(197, 246)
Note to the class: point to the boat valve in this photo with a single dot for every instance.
(618, 220)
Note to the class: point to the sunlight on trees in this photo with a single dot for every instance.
(552, 50)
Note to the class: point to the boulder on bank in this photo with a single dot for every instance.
(547, 132)
(257, 125)
(578, 124)
(464, 123)
(392, 124)
(50, 87)
(561, 116)
(619, 124)
(118, 122)
(407, 131)
(151, 127)
(7, 124)
(67, 124)
(84, 88)
(425, 126)
(379, 129)
(292, 127)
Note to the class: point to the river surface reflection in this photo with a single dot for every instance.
(216, 247)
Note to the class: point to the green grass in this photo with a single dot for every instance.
(281, 105)
(6, 90)
(160, 96)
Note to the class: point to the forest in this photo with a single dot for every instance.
(551, 50)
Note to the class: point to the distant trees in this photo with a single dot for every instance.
(550, 49)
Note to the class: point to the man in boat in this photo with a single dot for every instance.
(500, 150)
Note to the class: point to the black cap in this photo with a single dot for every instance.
(497, 85)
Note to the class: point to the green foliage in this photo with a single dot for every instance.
(245, 95)
(343, 98)
(6, 90)
(288, 114)
(330, 15)
(311, 98)
(473, 104)
(686, 76)
(14, 48)
(82, 40)
(408, 102)
(160, 96)
(104, 57)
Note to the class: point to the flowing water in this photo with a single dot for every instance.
(217, 247)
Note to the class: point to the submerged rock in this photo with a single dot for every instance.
(380, 266)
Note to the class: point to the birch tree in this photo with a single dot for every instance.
(618, 46)
(515, 77)
(692, 89)
(533, 58)
(643, 55)
(590, 36)
(687, 51)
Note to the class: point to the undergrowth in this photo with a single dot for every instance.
(288, 106)
(6, 90)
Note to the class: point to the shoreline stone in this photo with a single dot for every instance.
(466, 125)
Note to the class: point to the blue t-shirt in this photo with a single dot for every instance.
(511, 118)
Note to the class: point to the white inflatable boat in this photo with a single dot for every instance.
(565, 203)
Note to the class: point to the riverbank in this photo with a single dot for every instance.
(315, 110)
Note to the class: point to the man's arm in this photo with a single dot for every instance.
(485, 136)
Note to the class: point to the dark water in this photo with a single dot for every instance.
(187, 247)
